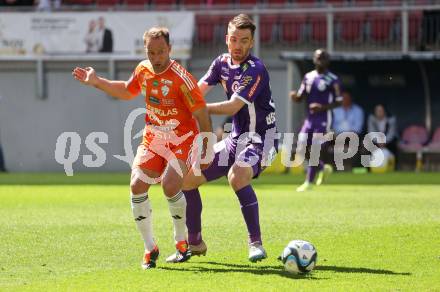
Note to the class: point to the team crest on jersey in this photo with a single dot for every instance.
(246, 80)
(165, 90)
(322, 85)
(252, 63)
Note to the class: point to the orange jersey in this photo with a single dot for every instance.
(170, 96)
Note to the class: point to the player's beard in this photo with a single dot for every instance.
(238, 58)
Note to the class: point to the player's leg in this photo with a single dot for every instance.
(172, 182)
(146, 168)
(302, 148)
(324, 171)
(218, 168)
(143, 171)
(194, 212)
(239, 177)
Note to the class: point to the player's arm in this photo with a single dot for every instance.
(229, 108)
(300, 94)
(115, 88)
(204, 87)
(203, 119)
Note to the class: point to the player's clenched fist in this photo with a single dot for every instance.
(85, 75)
(294, 96)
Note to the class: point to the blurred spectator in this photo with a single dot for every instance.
(224, 128)
(382, 122)
(106, 39)
(92, 38)
(349, 117)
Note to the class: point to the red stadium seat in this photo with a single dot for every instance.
(305, 3)
(336, 2)
(413, 139)
(205, 28)
(351, 26)
(292, 27)
(267, 26)
(381, 24)
(277, 3)
(219, 2)
(246, 2)
(318, 23)
(434, 144)
(193, 3)
(107, 3)
(136, 3)
(163, 4)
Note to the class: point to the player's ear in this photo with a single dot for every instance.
(227, 39)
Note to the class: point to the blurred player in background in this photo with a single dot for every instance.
(246, 84)
(175, 106)
(322, 91)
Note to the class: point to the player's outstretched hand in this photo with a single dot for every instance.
(294, 96)
(85, 75)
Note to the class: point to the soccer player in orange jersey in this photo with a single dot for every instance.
(176, 111)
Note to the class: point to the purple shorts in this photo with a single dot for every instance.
(311, 127)
(230, 151)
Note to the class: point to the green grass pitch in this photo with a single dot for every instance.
(372, 232)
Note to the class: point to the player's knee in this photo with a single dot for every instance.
(192, 181)
(239, 177)
(137, 186)
(171, 186)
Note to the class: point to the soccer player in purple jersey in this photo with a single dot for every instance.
(243, 155)
(322, 91)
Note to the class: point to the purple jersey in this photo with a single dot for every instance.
(320, 88)
(249, 82)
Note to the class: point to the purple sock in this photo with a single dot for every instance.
(249, 208)
(193, 216)
(312, 170)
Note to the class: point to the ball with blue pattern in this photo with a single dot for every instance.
(299, 257)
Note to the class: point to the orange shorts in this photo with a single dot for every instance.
(155, 157)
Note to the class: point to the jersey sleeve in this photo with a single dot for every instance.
(250, 85)
(337, 90)
(302, 87)
(212, 76)
(192, 96)
(133, 82)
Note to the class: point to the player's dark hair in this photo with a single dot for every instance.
(157, 32)
(243, 21)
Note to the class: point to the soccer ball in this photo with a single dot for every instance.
(299, 256)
